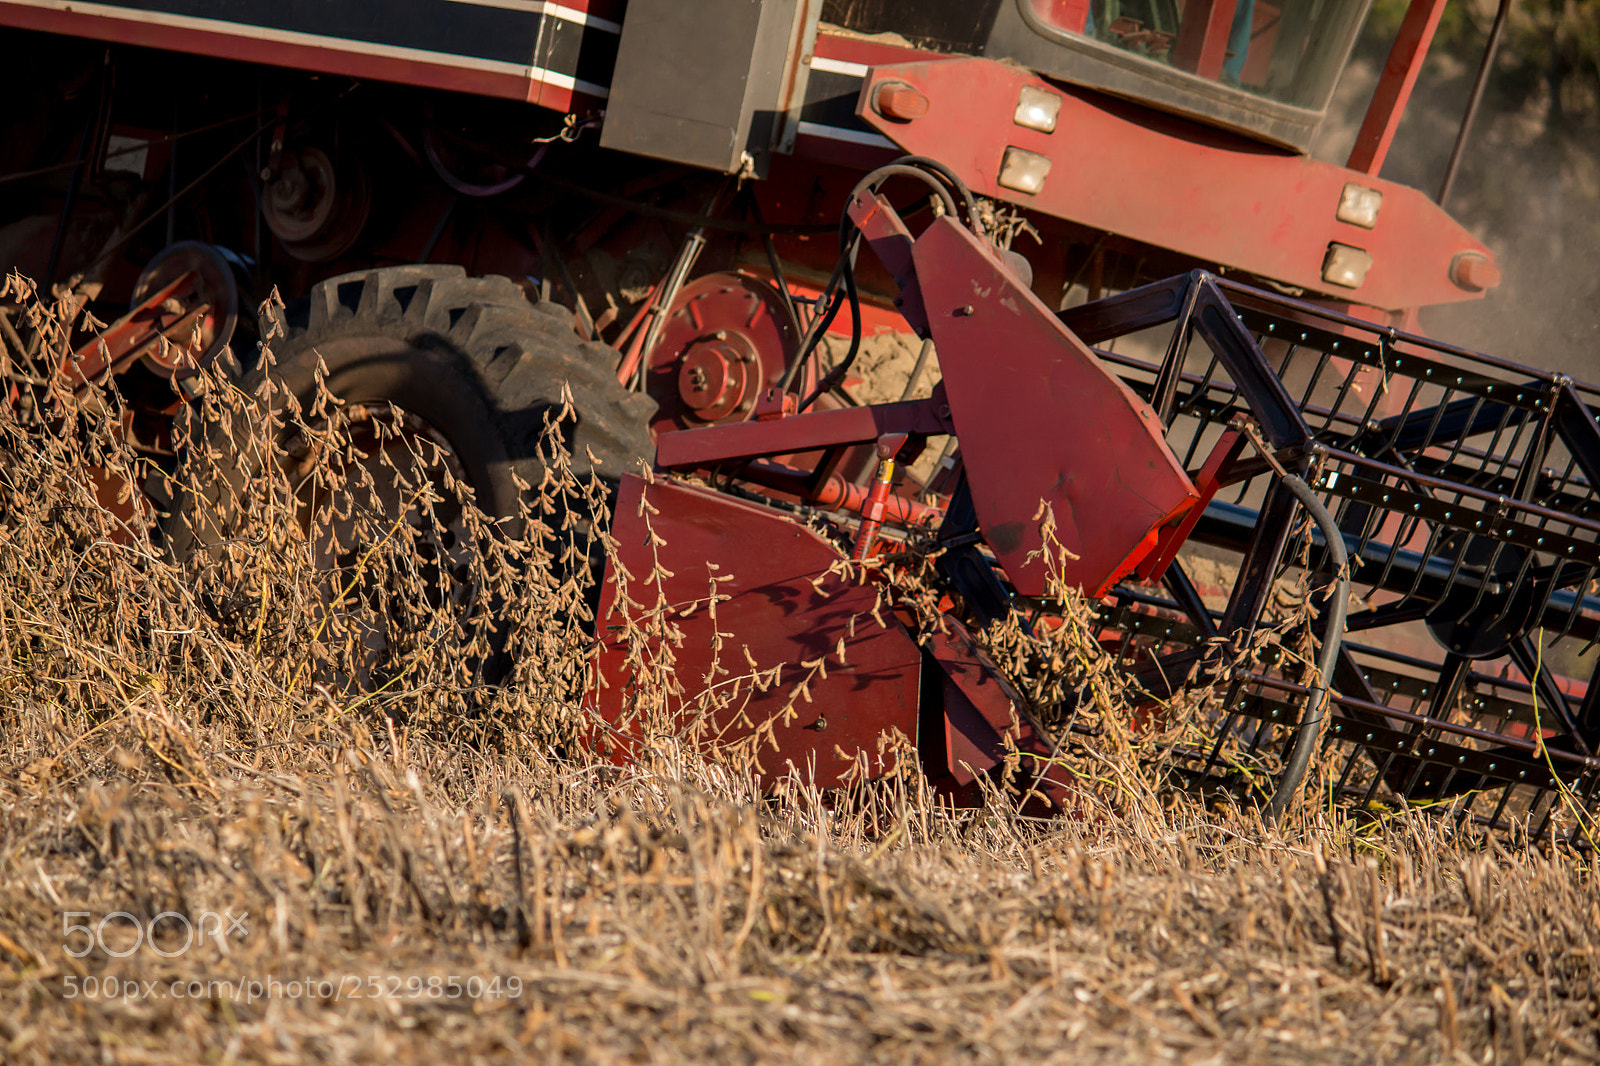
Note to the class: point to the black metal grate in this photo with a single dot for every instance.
(1464, 487)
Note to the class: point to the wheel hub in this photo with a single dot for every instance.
(715, 377)
(317, 204)
(726, 337)
(216, 287)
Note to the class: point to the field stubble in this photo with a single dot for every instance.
(304, 737)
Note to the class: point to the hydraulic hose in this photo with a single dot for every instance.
(954, 181)
(1310, 729)
(938, 177)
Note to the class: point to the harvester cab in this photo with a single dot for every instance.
(1265, 69)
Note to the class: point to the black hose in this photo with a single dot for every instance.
(823, 312)
(850, 242)
(941, 179)
(1310, 729)
(891, 170)
(954, 181)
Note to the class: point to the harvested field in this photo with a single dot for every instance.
(276, 864)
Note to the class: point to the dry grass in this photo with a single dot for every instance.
(172, 739)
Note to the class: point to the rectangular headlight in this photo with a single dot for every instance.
(1024, 171)
(1037, 109)
(1358, 205)
(1345, 266)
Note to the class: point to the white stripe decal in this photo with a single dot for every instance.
(582, 18)
(543, 7)
(839, 133)
(839, 66)
(314, 40)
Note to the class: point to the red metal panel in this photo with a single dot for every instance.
(1389, 99)
(798, 433)
(783, 608)
(1172, 538)
(851, 56)
(1174, 184)
(985, 719)
(1041, 419)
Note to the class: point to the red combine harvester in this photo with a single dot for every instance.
(1202, 381)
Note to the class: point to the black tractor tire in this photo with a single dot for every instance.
(469, 356)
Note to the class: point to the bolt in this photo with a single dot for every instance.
(1474, 272)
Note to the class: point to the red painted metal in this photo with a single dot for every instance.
(1069, 15)
(876, 316)
(837, 493)
(847, 48)
(984, 720)
(782, 603)
(726, 338)
(1042, 423)
(1175, 184)
(891, 242)
(1010, 367)
(714, 445)
(851, 674)
(854, 149)
(1207, 482)
(1399, 76)
(137, 333)
(875, 506)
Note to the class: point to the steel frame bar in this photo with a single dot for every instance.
(1394, 86)
(1473, 456)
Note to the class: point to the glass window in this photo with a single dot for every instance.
(1290, 51)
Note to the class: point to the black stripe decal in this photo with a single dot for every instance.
(498, 34)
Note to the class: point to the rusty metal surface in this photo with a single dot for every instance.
(1041, 420)
(1174, 184)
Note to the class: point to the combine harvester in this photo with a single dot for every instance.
(683, 191)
